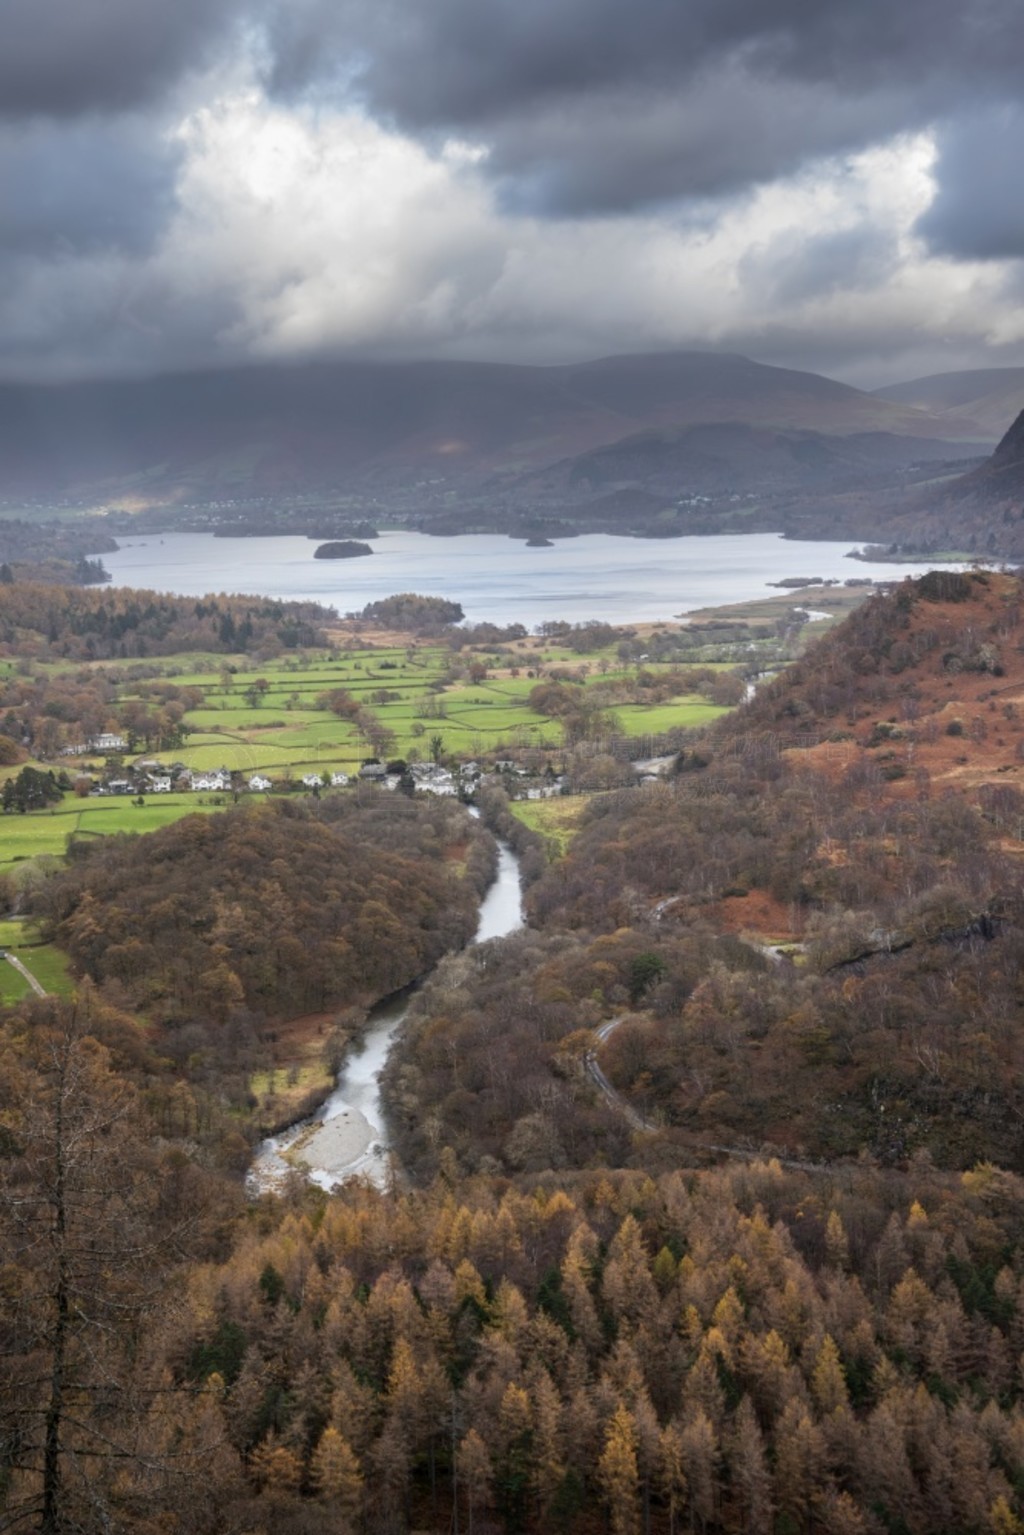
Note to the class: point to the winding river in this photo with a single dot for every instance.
(348, 1136)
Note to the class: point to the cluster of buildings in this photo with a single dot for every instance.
(151, 777)
(148, 776)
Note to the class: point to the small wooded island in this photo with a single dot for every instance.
(342, 549)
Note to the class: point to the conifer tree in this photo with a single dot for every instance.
(618, 1475)
(84, 1255)
(335, 1475)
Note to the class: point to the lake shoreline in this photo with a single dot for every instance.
(618, 579)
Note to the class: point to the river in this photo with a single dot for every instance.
(619, 580)
(348, 1137)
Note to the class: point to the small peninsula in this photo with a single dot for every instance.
(342, 549)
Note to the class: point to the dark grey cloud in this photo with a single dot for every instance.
(978, 211)
(592, 105)
(62, 58)
(148, 222)
(727, 132)
(91, 185)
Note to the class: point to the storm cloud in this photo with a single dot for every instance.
(978, 211)
(824, 183)
(593, 106)
(61, 58)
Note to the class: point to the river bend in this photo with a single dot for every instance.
(348, 1137)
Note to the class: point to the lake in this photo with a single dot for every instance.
(596, 576)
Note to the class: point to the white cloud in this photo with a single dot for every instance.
(299, 232)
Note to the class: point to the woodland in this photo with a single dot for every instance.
(784, 1296)
(89, 624)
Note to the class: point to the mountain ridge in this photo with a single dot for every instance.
(988, 398)
(379, 428)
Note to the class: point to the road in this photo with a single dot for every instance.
(636, 1121)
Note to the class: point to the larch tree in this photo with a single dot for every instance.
(85, 1262)
(749, 1476)
(618, 1474)
(671, 1474)
(335, 1474)
(473, 1469)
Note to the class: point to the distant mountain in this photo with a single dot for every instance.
(724, 457)
(985, 400)
(980, 512)
(417, 432)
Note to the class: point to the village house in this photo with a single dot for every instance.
(217, 781)
(432, 779)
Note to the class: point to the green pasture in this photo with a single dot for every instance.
(46, 963)
(556, 820)
(281, 732)
(28, 836)
(47, 831)
(687, 713)
(103, 817)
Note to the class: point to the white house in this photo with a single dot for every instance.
(217, 781)
(258, 784)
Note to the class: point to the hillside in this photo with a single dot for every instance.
(923, 689)
(403, 434)
(715, 457)
(866, 806)
(983, 398)
(999, 482)
(557, 1317)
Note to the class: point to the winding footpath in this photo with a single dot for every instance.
(37, 986)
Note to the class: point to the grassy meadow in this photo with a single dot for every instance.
(47, 964)
(555, 819)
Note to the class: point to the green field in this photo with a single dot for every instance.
(635, 720)
(556, 820)
(266, 717)
(47, 831)
(47, 964)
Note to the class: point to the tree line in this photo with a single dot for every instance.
(59, 622)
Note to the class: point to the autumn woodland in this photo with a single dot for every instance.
(772, 1283)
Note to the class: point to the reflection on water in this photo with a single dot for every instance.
(619, 580)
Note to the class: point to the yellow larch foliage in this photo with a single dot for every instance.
(617, 1472)
(334, 1472)
(828, 1380)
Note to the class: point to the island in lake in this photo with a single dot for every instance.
(342, 549)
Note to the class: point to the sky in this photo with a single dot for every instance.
(823, 184)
